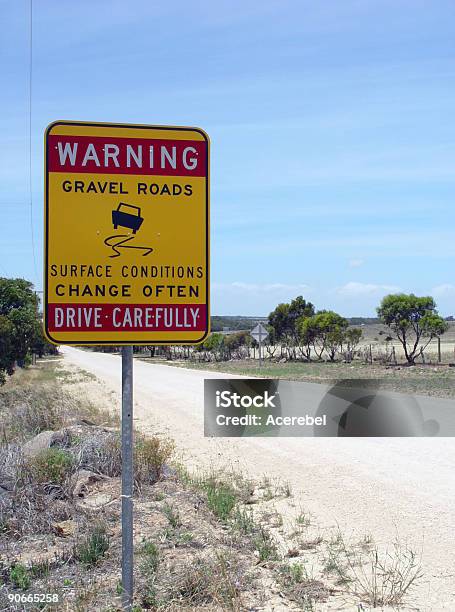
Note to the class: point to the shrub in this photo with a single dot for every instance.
(300, 587)
(378, 578)
(220, 499)
(28, 409)
(19, 576)
(172, 515)
(29, 511)
(51, 465)
(243, 521)
(149, 567)
(151, 556)
(214, 580)
(222, 491)
(41, 416)
(151, 455)
(40, 569)
(265, 546)
(101, 452)
(93, 547)
(13, 467)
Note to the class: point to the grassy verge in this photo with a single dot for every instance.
(437, 381)
(203, 541)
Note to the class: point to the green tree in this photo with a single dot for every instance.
(25, 323)
(234, 341)
(352, 337)
(39, 345)
(7, 352)
(284, 319)
(323, 331)
(412, 319)
(16, 294)
(215, 345)
(307, 335)
(19, 322)
(334, 341)
(279, 321)
(214, 342)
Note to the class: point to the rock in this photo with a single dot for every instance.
(253, 499)
(6, 483)
(41, 442)
(83, 479)
(65, 528)
(95, 501)
(87, 422)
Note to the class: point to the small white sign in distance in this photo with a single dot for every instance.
(259, 333)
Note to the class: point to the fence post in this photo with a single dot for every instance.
(439, 350)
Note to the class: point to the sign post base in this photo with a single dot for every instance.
(127, 477)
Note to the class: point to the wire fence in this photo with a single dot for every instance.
(388, 353)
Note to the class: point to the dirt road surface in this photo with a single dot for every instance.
(384, 487)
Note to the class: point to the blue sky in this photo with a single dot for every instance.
(332, 129)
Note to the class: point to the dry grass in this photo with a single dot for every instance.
(28, 410)
(150, 458)
(35, 400)
(301, 586)
(30, 511)
(216, 579)
(436, 381)
(375, 577)
(91, 549)
(100, 452)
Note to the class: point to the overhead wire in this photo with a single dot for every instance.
(30, 91)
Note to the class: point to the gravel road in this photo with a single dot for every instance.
(380, 486)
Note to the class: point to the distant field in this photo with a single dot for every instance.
(420, 380)
(371, 331)
(376, 333)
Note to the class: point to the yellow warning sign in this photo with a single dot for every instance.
(126, 234)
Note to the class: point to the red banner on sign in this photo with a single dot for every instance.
(101, 155)
(127, 317)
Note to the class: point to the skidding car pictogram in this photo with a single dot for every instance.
(127, 219)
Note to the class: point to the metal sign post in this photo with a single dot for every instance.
(260, 334)
(127, 477)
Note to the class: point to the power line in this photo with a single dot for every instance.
(30, 89)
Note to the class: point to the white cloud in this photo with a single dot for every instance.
(444, 289)
(356, 263)
(253, 299)
(353, 289)
(239, 287)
